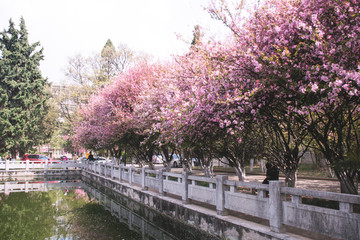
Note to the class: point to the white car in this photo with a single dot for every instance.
(175, 162)
(99, 159)
(157, 159)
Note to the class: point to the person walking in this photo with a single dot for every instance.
(91, 157)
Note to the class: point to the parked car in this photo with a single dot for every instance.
(99, 159)
(175, 162)
(157, 159)
(81, 160)
(195, 162)
(39, 158)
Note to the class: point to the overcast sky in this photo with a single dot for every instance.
(69, 27)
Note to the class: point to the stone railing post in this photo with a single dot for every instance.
(346, 207)
(161, 181)
(27, 167)
(130, 175)
(143, 178)
(220, 194)
(46, 164)
(7, 163)
(185, 193)
(275, 206)
(7, 186)
(121, 172)
(112, 171)
(27, 186)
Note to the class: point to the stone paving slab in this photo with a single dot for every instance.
(329, 185)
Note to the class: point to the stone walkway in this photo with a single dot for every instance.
(326, 184)
(329, 185)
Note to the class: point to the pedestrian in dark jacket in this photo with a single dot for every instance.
(91, 157)
(272, 173)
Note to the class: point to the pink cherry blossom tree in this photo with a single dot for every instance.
(115, 117)
(305, 55)
(204, 119)
(311, 51)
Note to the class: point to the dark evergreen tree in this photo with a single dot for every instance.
(108, 50)
(108, 58)
(196, 36)
(23, 93)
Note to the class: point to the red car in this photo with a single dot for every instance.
(35, 158)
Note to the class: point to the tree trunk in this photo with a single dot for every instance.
(207, 167)
(167, 166)
(207, 171)
(240, 173)
(291, 178)
(151, 166)
(21, 153)
(187, 165)
(13, 155)
(347, 184)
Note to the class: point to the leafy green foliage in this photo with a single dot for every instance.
(23, 93)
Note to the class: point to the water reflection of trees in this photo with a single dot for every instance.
(70, 212)
(58, 214)
(26, 215)
(92, 221)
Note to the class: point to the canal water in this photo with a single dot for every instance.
(45, 209)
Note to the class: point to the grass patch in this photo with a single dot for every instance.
(202, 184)
(171, 178)
(321, 203)
(305, 170)
(356, 208)
(310, 170)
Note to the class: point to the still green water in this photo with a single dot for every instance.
(69, 213)
(74, 210)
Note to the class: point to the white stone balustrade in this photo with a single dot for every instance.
(255, 199)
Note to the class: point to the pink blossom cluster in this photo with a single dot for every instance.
(288, 59)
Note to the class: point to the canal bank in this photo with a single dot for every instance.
(226, 208)
(34, 173)
(203, 217)
(151, 223)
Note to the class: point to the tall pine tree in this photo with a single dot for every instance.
(108, 67)
(23, 93)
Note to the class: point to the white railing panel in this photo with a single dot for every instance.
(152, 182)
(137, 178)
(202, 194)
(322, 220)
(173, 187)
(248, 204)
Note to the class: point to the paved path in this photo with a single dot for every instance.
(329, 185)
(313, 184)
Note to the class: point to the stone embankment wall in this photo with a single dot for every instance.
(184, 195)
(207, 202)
